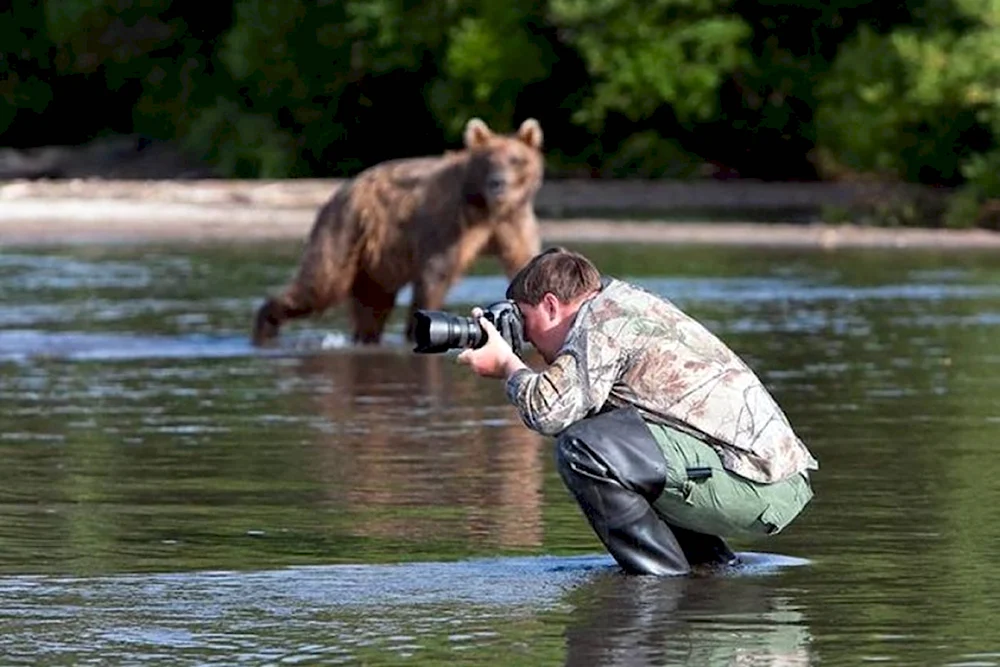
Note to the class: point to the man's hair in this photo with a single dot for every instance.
(567, 274)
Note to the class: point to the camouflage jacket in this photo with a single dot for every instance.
(628, 346)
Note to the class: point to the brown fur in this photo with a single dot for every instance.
(419, 221)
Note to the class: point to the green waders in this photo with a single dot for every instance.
(701, 495)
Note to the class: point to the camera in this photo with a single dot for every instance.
(435, 332)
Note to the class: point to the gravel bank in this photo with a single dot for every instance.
(59, 212)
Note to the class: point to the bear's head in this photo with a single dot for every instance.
(505, 171)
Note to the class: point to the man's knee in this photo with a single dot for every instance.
(575, 459)
(616, 446)
(567, 449)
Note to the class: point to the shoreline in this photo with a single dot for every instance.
(41, 213)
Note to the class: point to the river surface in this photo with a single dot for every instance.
(171, 495)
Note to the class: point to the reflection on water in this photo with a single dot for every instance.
(171, 494)
(666, 621)
(359, 612)
(402, 431)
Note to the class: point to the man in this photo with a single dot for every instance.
(667, 440)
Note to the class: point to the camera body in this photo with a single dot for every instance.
(435, 332)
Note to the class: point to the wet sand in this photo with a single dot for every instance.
(61, 212)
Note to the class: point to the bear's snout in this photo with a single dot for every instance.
(496, 184)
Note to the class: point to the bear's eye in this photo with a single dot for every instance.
(517, 161)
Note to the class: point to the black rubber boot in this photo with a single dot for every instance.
(704, 551)
(615, 470)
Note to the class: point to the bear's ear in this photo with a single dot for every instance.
(530, 133)
(477, 133)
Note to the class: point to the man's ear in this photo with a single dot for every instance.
(551, 305)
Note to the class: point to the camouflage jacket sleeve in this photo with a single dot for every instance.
(574, 386)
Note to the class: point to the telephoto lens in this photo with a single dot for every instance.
(435, 332)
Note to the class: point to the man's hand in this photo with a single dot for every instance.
(495, 359)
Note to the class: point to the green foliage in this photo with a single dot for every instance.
(963, 210)
(648, 155)
(976, 203)
(982, 173)
(645, 55)
(119, 40)
(908, 103)
(24, 50)
(245, 145)
(489, 59)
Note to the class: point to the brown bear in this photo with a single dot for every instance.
(419, 221)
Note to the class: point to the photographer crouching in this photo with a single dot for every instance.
(666, 438)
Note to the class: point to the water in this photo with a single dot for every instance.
(170, 495)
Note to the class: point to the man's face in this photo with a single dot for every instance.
(544, 325)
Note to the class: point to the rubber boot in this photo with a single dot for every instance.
(704, 551)
(615, 470)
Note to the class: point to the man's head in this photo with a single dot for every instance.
(549, 290)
